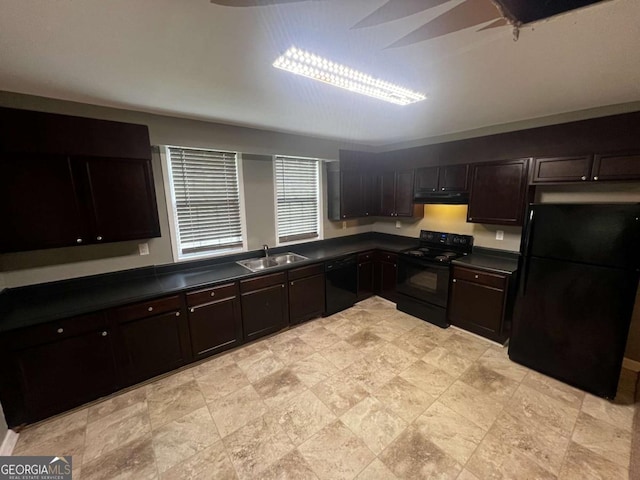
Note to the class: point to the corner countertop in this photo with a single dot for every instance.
(498, 261)
(36, 304)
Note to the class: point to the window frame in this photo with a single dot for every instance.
(320, 167)
(172, 214)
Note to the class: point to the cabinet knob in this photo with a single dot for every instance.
(177, 314)
(583, 177)
(454, 280)
(150, 309)
(395, 265)
(443, 188)
(470, 219)
(60, 330)
(282, 285)
(78, 240)
(344, 216)
(433, 189)
(99, 238)
(595, 178)
(192, 310)
(104, 334)
(213, 294)
(476, 276)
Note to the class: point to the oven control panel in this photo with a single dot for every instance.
(447, 239)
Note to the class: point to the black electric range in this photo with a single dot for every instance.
(424, 272)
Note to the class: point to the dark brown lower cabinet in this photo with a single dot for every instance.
(215, 322)
(153, 338)
(264, 305)
(54, 367)
(479, 302)
(306, 293)
(386, 275)
(365, 275)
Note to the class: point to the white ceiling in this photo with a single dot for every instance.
(195, 59)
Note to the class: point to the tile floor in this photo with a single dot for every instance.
(370, 393)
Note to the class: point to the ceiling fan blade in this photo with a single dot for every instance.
(396, 9)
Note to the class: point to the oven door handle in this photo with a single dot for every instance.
(424, 264)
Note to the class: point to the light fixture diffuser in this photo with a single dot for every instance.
(313, 66)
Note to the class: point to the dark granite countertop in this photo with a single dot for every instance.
(490, 260)
(41, 303)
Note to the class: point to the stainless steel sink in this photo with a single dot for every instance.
(263, 263)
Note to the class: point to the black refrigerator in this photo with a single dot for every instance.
(577, 285)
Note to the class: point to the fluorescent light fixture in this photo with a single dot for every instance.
(313, 66)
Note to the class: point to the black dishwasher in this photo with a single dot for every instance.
(341, 283)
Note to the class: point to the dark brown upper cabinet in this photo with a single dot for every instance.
(395, 191)
(73, 181)
(351, 193)
(600, 167)
(498, 192)
(452, 178)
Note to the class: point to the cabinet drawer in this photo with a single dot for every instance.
(146, 309)
(54, 331)
(212, 294)
(386, 257)
(478, 276)
(365, 257)
(303, 272)
(262, 282)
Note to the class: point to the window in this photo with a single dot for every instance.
(297, 198)
(205, 199)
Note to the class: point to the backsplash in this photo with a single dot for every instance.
(453, 219)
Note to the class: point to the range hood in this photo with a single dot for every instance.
(443, 198)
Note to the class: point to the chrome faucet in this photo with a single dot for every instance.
(265, 247)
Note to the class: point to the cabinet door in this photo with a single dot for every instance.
(306, 298)
(123, 199)
(616, 167)
(476, 307)
(561, 169)
(38, 203)
(370, 196)
(387, 193)
(264, 311)
(61, 375)
(453, 178)
(351, 194)
(427, 179)
(386, 275)
(404, 194)
(365, 279)
(153, 345)
(498, 192)
(215, 326)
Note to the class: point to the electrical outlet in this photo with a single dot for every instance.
(398, 224)
(344, 225)
(499, 234)
(143, 248)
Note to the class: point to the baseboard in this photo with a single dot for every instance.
(632, 365)
(9, 443)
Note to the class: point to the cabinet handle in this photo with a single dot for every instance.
(78, 240)
(60, 330)
(282, 285)
(366, 214)
(177, 314)
(213, 294)
(583, 177)
(476, 276)
(292, 284)
(104, 334)
(470, 219)
(433, 189)
(99, 238)
(454, 280)
(595, 178)
(344, 216)
(443, 188)
(150, 309)
(395, 265)
(192, 310)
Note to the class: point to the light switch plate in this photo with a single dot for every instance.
(499, 234)
(143, 248)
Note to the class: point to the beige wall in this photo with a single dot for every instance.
(453, 219)
(259, 201)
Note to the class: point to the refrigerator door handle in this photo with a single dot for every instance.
(525, 252)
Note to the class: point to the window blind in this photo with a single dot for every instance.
(207, 199)
(298, 197)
